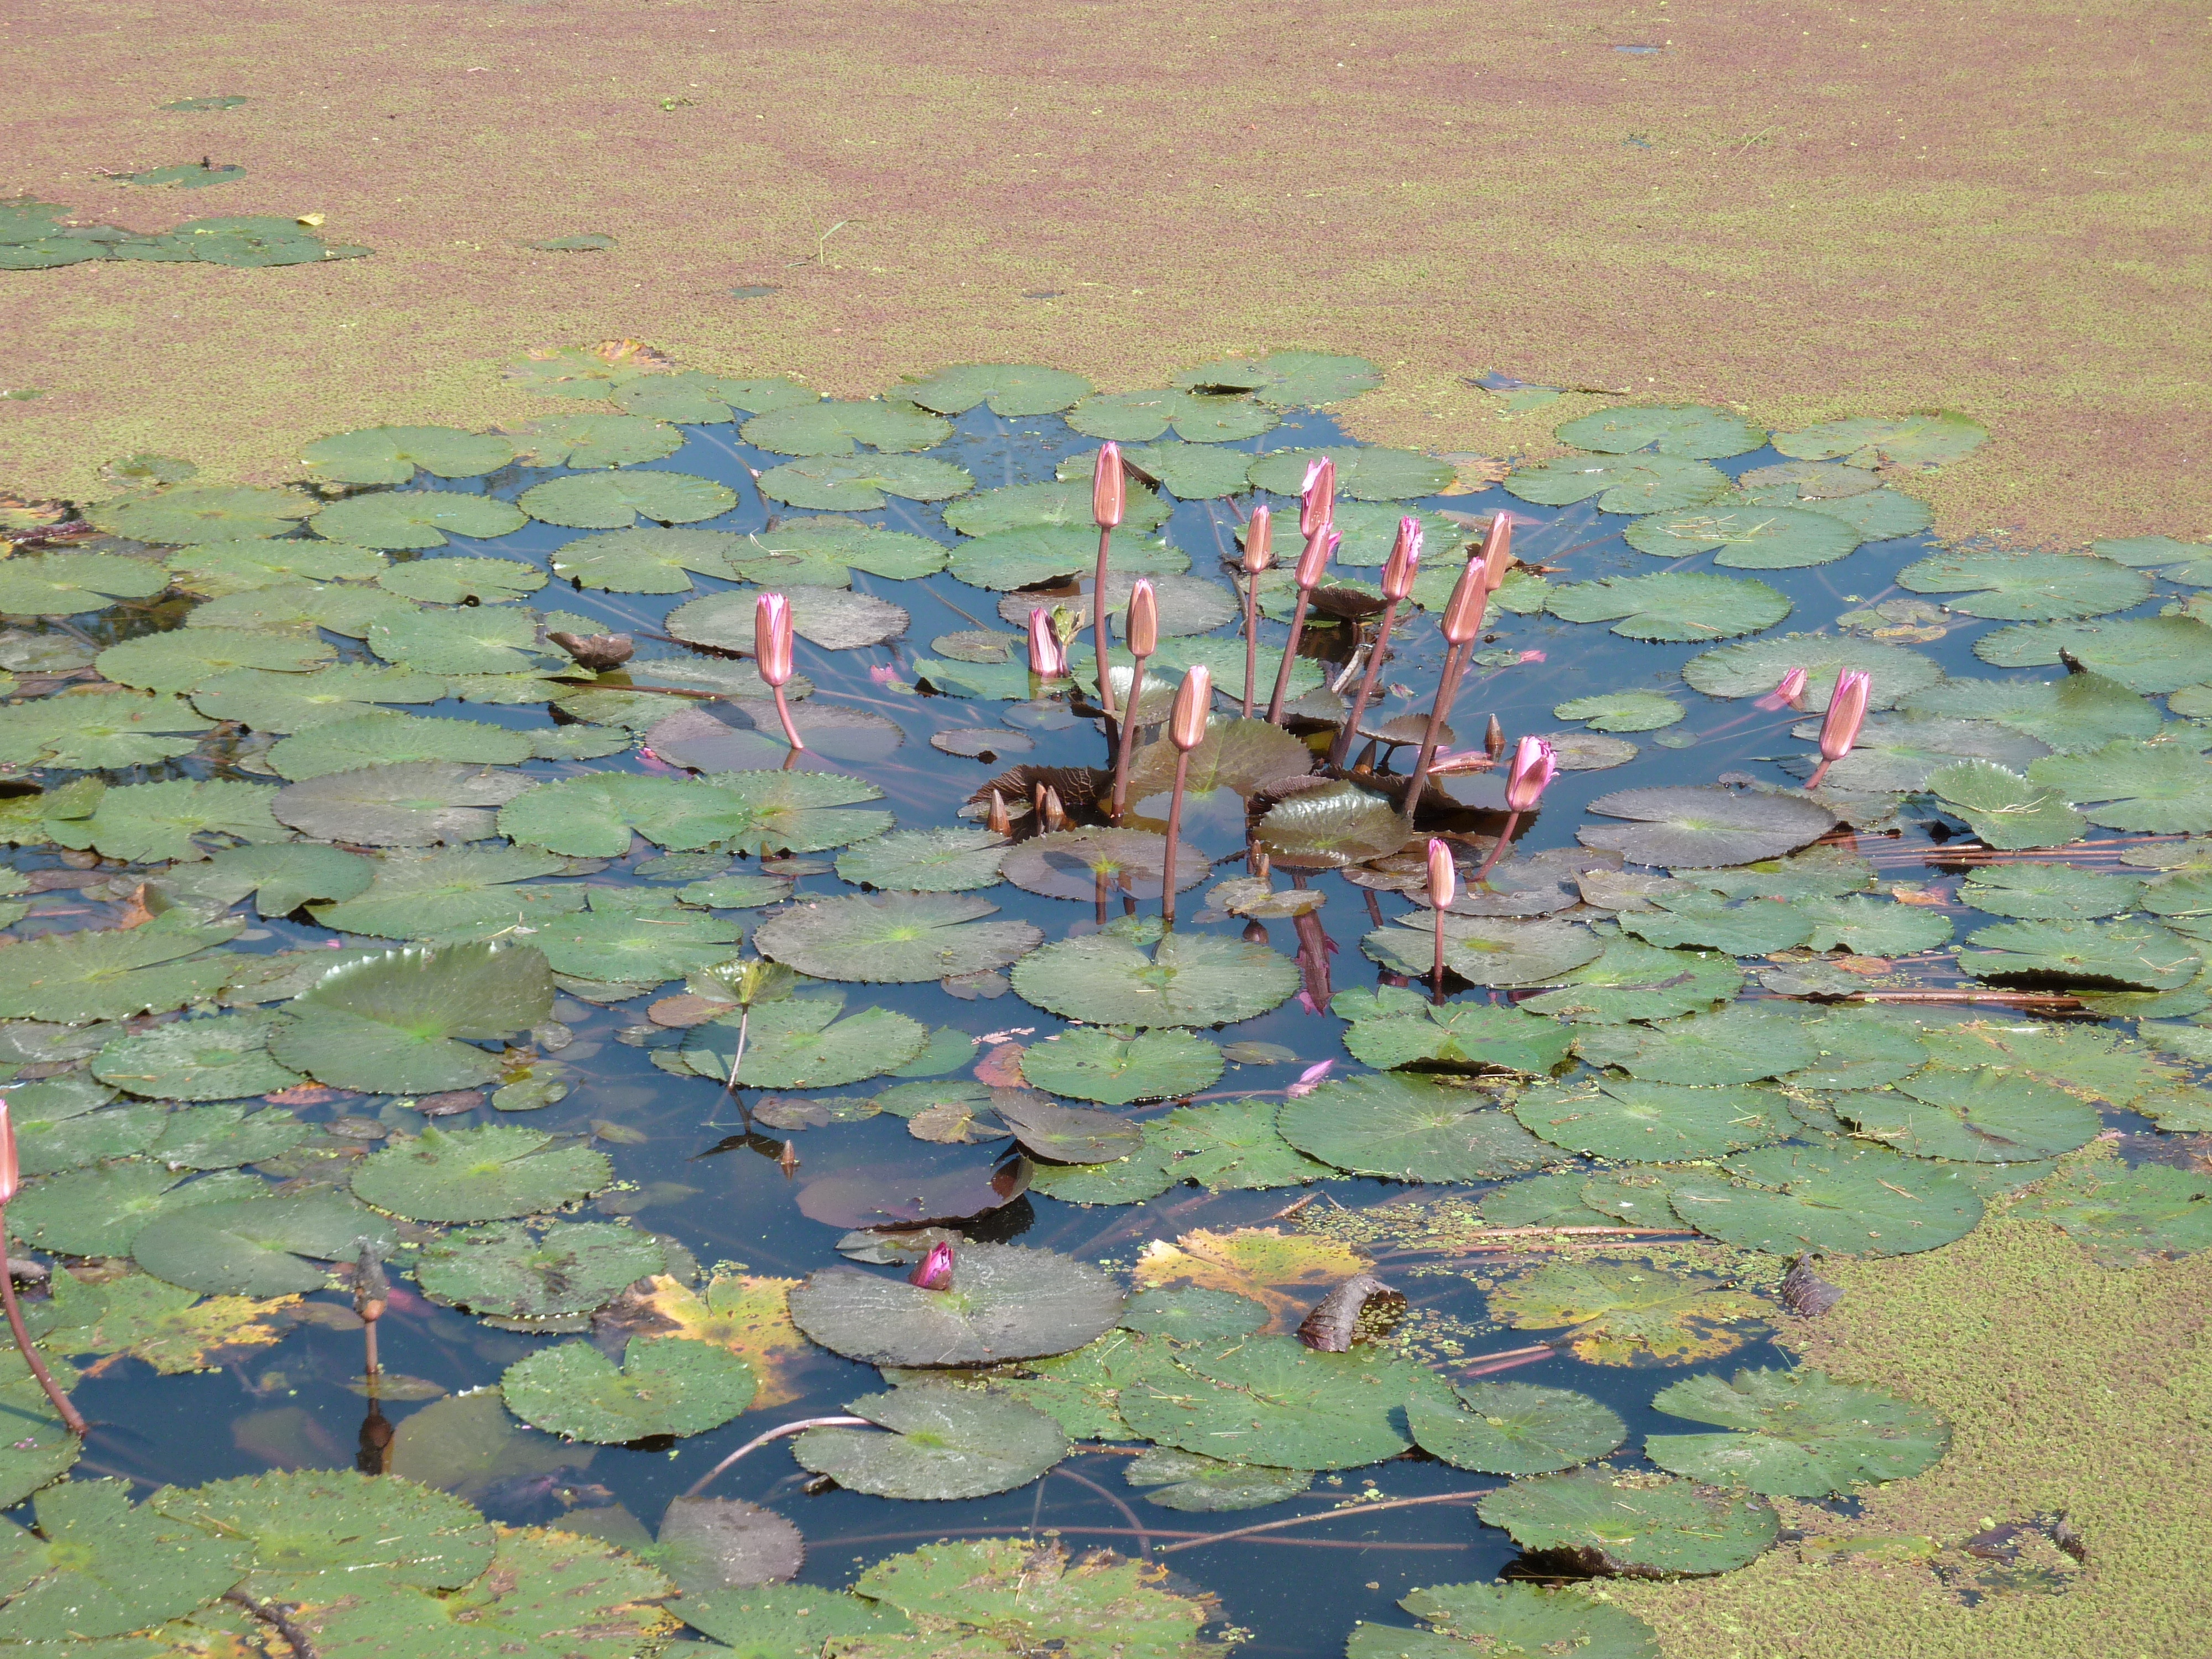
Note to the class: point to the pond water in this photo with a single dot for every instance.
(730, 1194)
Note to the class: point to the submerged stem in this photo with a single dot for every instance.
(777, 1433)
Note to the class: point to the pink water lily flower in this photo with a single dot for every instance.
(1839, 728)
(1786, 692)
(1310, 1079)
(1048, 656)
(935, 1271)
(1533, 767)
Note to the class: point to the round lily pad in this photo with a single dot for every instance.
(1691, 429)
(655, 560)
(1401, 1027)
(1633, 1525)
(616, 501)
(405, 1020)
(1192, 1314)
(226, 1058)
(518, 1272)
(1273, 1401)
(1626, 711)
(1705, 826)
(389, 737)
(1004, 1303)
(414, 804)
(416, 518)
(1067, 1135)
(100, 1211)
(943, 1444)
(926, 860)
(1288, 379)
(1189, 979)
(70, 583)
(390, 454)
(801, 1044)
(1754, 667)
(1095, 863)
(711, 1543)
(861, 483)
(478, 1175)
(1014, 390)
(1623, 483)
(893, 937)
(784, 1621)
(187, 658)
(1096, 1065)
(1832, 1197)
(665, 1385)
(97, 1567)
(2004, 809)
(2128, 1215)
(1207, 1486)
(1225, 1144)
(1142, 416)
(1188, 471)
(1986, 1115)
(2026, 586)
(1409, 1129)
(2049, 892)
(2155, 787)
(1797, 1433)
(2153, 655)
(1630, 1313)
(1656, 1122)
(1364, 474)
(838, 427)
(1513, 1618)
(1331, 827)
(1514, 1428)
(1038, 554)
(1926, 439)
(313, 1530)
(1682, 604)
(256, 1246)
(828, 617)
(1742, 1043)
(1015, 506)
(2131, 955)
(1485, 949)
(202, 513)
(596, 441)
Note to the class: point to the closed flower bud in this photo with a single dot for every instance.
(1312, 563)
(1317, 498)
(935, 1271)
(1443, 875)
(1404, 563)
(1497, 550)
(1847, 711)
(1786, 692)
(1193, 701)
(1144, 620)
(1533, 767)
(772, 638)
(1470, 597)
(11, 1166)
(999, 821)
(1259, 541)
(1047, 655)
(1109, 489)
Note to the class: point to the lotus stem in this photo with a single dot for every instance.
(368, 1332)
(1175, 833)
(744, 1013)
(1290, 656)
(1374, 656)
(1251, 639)
(1467, 1496)
(779, 1432)
(1098, 622)
(1819, 773)
(1128, 733)
(68, 1413)
(1447, 690)
(1438, 971)
(1504, 840)
(783, 713)
(1509, 1362)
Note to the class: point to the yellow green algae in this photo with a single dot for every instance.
(1801, 209)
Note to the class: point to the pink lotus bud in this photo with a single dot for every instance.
(772, 638)
(11, 1166)
(1108, 489)
(999, 821)
(1144, 620)
(1317, 497)
(1443, 875)
(1470, 598)
(1533, 767)
(1259, 541)
(1847, 711)
(1786, 693)
(1194, 700)
(935, 1271)
(1047, 655)
(1309, 1080)
(1497, 550)
(1405, 559)
(1312, 563)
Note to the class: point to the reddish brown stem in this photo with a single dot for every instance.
(1290, 656)
(1446, 689)
(68, 1413)
(1098, 624)
(1374, 656)
(1504, 841)
(1175, 833)
(1128, 738)
(783, 713)
(1349, 1510)
(777, 1433)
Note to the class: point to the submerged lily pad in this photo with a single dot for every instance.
(1632, 1525)
(664, 1386)
(488, 1174)
(1409, 1129)
(1798, 1434)
(1629, 1313)
(1004, 1303)
(1207, 1486)
(1515, 1428)
(894, 938)
(1189, 979)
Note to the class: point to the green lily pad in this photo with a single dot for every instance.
(1289, 380)
(1743, 1043)
(2131, 955)
(895, 938)
(389, 737)
(452, 897)
(1629, 980)
(736, 892)
(2049, 892)
(1747, 535)
(1192, 1314)
(102, 730)
(1195, 979)
(1097, 1065)
(2189, 564)
(802, 1044)
(616, 501)
(103, 1568)
(1271, 1401)
(1188, 471)
(829, 617)
(1833, 1197)
(462, 580)
(1631, 1525)
(225, 1058)
(416, 518)
(2126, 1216)
(146, 822)
(100, 1212)
(1691, 429)
(1004, 1303)
(1626, 711)
(216, 568)
(489, 1174)
(1656, 1122)
(1142, 416)
(655, 560)
(70, 583)
(187, 658)
(825, 552)
(836, 427)
(1395, 1027)
(516, 1271)
(2157, 787)
(636, 938)
(70, 1135)
(2026, 586)
(1515, 1428)
(1014, 390)
(1752, 929)
(1362, 475)
(1067, 1135)
(665, 1385)
(1064, 504)
(1925, 440)
(1869, 926)
(784, 1621)
(405, 1021)
(695, 397)
(2150, 655)
(2004, 809)
(1982, 1116)
(1897, 754)
(113, 973)
(1207, 1486)
(1797, 1434)
(1224, 1145)
(1510, 1621)
(1039, 554)
(1331, 827)
(414, 804)
(256, 1246)
(284, 875)
(1753, 668)
(482, 640)
(1625, 483)
(861, 483)
(926, 860)
(39, 1449)
(272, 701)
(1409, 1129)
(758, 812)
(202, 513)
(390, 454)
(1007, 1596)
(1703, 826)
(311, 1530)
(595, 441)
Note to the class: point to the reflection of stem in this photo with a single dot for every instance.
(1290, 655)
(1174, 830)
(1381, 649)
(1504, 840)
(1328, 1514)
(1127, 735)
(68, 1413)
(777, 1433)
(1446, 689)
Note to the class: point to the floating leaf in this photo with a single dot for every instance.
(943, 1444)
(1328, 828)
(1018, 506)
(1834, 1198)
(1409, 1129)
(216, 568)
(2005, 810)
(1207, 1486)
(1742, 1043)
(517, 1272)
(1982, 1116)
(416, 804)
(1923, 439)
(1096, 1065)
(1040, 554)
(1656, 1122)
(1691, 429)
(1626, 711)
(1507, 1619)
(1626, 483)
(664, 1386)
(256, 1246)
(146, 822)
(102, 1568)
(785, 1621)
(416, 518)
(387, 737)
(711, 1543)
(390, 454)
(629, 939)
(174, 1330)
(795, 1045)
(2049, 892)
(403, 1021)
(2026, 586)
(1625, 1313)
(1271, 1401)
(1008, 1596)
(1195, 979)
(2157, 787)
(2132, 955)
(1752, 669)
(596, 441)
(1227, 1144)
(1514, 1428)
(1630, 979)
(202, 513)
(1192, 1314)
(187, 658)
(226, 1058)
(1004, 1303)
(1799, 1434)
(655, 560)
(1703, 826)
(893, 937)
(2149, 654)
(102, 730)
(113, 973)
(1403, 1028)
(478, 1175)
(1188, 471)
(70, 583)
(1633, 1525)
(1099, 863)
(926, 860)
(1141, 416)
(616, 501)
(1364, 474)
(2189, 564)
(463, 580)
(100, 1212)
(1069, 1134)
(829, 618)
(1753, 929)
(592, 816)
(452, 896)
(861, 483)
(2126, 1216)
(1746, 535)
(747, 1316)
(1289, 380)
(272, 700)
(1014, 390)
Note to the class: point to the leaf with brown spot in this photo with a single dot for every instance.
(745, 1314)
(1280, 1271)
